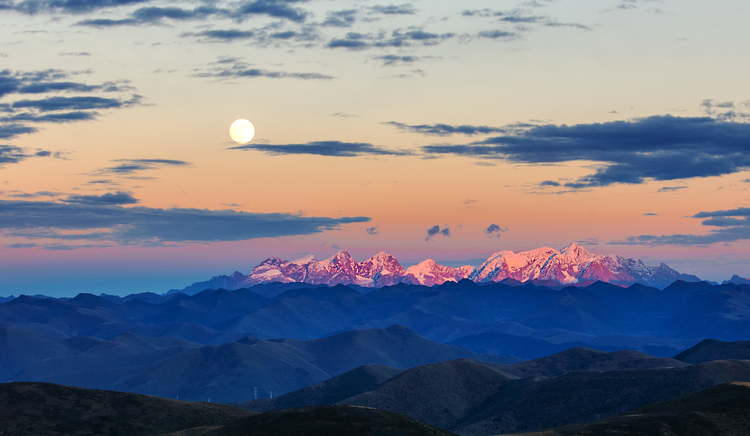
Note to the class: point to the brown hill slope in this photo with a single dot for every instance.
(717, 411)
(321, 421)
(42, 409)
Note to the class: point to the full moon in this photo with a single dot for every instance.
(242, 131)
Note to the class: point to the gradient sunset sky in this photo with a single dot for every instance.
(623, 125)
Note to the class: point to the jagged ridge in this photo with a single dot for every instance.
(571, 265)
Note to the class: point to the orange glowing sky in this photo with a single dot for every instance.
(330, 76)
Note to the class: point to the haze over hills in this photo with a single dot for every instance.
(233, 371)
(396, 347)
(571, 265)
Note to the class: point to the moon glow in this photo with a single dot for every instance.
(242, 131)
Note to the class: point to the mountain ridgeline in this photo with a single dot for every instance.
(571, 265)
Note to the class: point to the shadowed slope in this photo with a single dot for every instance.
(47, 409)
(19, 348)
(322, 421)
(528, 405)
(721, 410)
(586, 359)
(439, 394)
(395, 346)
(331, 391)
(711, 349)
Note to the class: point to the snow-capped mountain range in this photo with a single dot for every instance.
(571, 265)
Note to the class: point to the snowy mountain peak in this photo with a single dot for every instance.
(305, 259)
(573, 264)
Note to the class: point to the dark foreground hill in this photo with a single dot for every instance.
(321, 421)
(721, 410)
(479, 398)
(579, 397)
(43, 409)
(711, 349)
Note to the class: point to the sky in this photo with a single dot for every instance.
(428, 129)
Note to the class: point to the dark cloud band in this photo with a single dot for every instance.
(653, 148)
(103, 220)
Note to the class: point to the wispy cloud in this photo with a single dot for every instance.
(235, 68)
(403, 9)
(17, 115)
(731, 225)
(131, 166)
(156, 15)
(397, 38)
(324, 148)
(10, 154)
(110, 198)
(446, 129)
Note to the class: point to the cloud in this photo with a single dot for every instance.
(446, 129)
(41, 87)
(345, 18)
(671, 188)
(499, 35)
(53, 109)
(650, 214)
(549, 183)
(404, 9)
(130, 166)
(70, 6)
(10, 154)
(726, 110)
(226, 68)
(391, 60)
(68, 103)
(50, 80)
(324, 148)
(272, 8)
(518, 17)
(372, 230)
(224, 35)
(494, 230)
(654, 148)
(432, 231)
(360, 41)
(8, 131)
(730, 226)
(109, 198)
(20, 246)
(155, 15)
(150, 226)
(64, 117)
